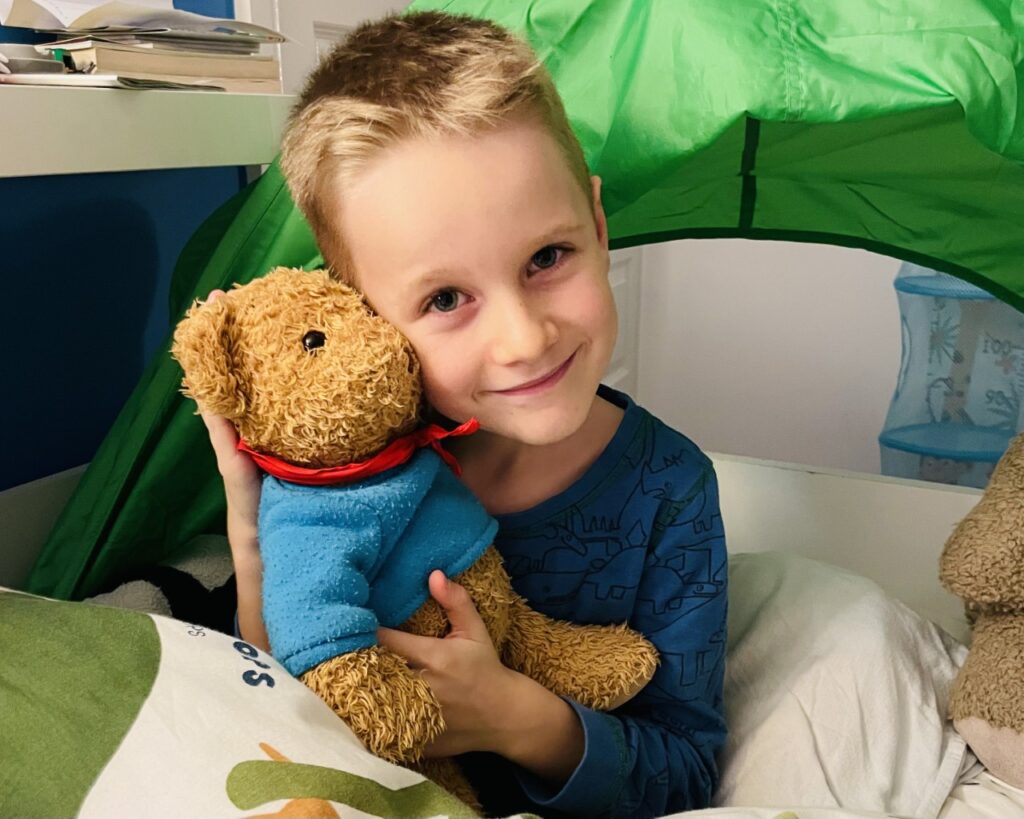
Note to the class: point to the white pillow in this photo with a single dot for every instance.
(835, 693)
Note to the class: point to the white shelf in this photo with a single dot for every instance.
(52, 130)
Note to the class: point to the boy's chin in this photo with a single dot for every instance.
(541, 431)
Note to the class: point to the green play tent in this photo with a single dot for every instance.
(896, 126)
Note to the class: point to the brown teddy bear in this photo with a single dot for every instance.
(360, 504)
(983, 563)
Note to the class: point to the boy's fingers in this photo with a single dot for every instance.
(413, 648)
(458, 605)
(218, 424)
(222, 433)
(214, 295)
(236, 468)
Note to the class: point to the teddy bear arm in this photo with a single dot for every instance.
(599, 667)
(316, 586)
(388, 706)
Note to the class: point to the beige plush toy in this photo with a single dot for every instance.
(360, 504)
(983, 563)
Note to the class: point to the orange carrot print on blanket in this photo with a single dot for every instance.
(305, 808)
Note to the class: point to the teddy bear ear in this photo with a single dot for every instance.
(202, 345)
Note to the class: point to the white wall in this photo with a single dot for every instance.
(774, 350)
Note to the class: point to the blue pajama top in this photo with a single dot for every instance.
(638, 539)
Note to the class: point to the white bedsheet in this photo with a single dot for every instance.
(979, 795)
(835, 694)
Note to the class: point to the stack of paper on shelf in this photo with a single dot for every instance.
(150, 42)
(233, 72)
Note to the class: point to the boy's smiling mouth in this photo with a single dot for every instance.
(542, 383)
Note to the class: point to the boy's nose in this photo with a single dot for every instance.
(520, 332)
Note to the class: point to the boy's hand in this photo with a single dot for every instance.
(487, 706)
(463, 670)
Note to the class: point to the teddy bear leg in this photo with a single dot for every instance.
(987, 702)
(600, 667)
(447, 774)
(389, 707)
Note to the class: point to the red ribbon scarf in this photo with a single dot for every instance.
(397, 452)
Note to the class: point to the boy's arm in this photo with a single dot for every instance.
(245, 553)
(242, 492)
(656, 754)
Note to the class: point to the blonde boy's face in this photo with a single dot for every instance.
(486, 254)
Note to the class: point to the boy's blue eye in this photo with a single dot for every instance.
(444, 301)
(546, 257)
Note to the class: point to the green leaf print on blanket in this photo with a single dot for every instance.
(49, 764)
(257, 782)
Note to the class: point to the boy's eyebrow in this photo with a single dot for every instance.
(431, 278)
(557, 232)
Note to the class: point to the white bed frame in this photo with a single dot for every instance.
(888, 529)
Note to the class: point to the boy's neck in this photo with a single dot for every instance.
(510, 476)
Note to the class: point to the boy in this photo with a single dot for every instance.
(433, 159)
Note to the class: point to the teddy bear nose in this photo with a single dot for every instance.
(313, 340)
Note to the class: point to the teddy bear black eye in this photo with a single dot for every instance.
(313, 340)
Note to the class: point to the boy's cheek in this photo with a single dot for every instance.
(595, 304)
(446, 389)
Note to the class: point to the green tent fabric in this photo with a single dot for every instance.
(897, 126)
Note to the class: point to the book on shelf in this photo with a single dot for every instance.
(86, 16)
(101, 81)
(117, 58)
(233, 85)
(211, 42)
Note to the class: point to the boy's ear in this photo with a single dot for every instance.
(599, 217)
(202, 345)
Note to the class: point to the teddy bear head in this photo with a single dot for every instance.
(302, 366)
(983, 561)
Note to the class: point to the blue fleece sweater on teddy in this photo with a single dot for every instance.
(340, 560)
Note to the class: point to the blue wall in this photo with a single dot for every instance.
(85, 262)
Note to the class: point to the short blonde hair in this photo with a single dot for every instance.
(422, 74)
